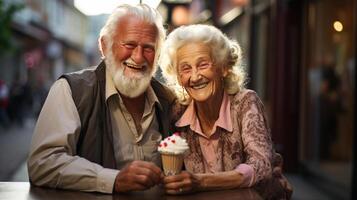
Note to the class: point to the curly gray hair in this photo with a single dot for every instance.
(224, 51)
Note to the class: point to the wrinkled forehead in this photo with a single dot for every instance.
(191, 52)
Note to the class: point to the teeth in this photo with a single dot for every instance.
(133, 66)
(196, 87)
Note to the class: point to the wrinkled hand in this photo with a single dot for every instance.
(184, 182)
(137, 175)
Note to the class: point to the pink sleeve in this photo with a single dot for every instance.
(256, 138)
(248, 174)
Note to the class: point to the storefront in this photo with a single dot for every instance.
(301, 62)
(328, 70)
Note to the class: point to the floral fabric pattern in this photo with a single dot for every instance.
(248, 143)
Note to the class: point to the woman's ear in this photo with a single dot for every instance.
(178, 76)
(224, 71)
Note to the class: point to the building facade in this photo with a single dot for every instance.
(48, 38)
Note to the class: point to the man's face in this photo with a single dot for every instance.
(134, 46)
(131, 57)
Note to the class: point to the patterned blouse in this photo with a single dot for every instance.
(242, 144)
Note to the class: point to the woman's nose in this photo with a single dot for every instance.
(195, 75)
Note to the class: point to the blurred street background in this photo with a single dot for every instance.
(300, 56)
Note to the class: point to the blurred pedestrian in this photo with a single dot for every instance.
(16, 104)
(4, 102)
(330, 107)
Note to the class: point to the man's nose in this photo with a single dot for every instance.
(137, 55)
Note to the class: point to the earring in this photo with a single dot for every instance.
(223, 84)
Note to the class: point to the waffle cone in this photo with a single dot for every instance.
(172, 163)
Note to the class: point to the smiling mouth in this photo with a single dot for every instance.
(134, 66)
(199, 86)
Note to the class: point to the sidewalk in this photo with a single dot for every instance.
(14, 147)
(304, 190)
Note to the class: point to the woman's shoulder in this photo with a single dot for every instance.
(177, 110)
(245, 95)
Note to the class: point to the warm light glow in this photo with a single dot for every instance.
(240, 2)
(230, 15)
(180, 16)
(96, 7)
(338, 26)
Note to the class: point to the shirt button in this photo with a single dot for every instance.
(129, 119)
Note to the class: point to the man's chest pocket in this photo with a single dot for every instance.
(150, 148)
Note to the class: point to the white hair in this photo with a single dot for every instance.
(224, 52)
(129, 87)
(141, 11)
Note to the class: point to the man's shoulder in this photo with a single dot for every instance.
(86, 75)
(85, 83)
(162, 91)
(83, 71)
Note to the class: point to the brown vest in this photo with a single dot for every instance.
(95, 142)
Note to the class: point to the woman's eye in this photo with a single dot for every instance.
(185, 68)
(203, 65)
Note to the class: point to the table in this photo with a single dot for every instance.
(23, 190)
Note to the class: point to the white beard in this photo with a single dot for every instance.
(130, 87)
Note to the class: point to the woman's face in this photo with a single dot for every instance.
(197, 72)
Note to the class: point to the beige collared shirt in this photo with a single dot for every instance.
(133, 143)
(53, 161)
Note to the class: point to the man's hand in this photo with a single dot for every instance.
(137, 175)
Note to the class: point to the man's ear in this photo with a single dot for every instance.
(102, 46)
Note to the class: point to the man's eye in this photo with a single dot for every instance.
(149, 49)
(130, 46)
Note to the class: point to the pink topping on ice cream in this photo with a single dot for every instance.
(173, 144)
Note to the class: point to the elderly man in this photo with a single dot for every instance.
(99, 128)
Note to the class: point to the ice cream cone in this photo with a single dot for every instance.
(172, 163)
(172, 149)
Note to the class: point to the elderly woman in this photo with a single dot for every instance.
(224, 123)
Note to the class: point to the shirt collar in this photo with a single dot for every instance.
(110, 90)
(224, 120)
(152, 98)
